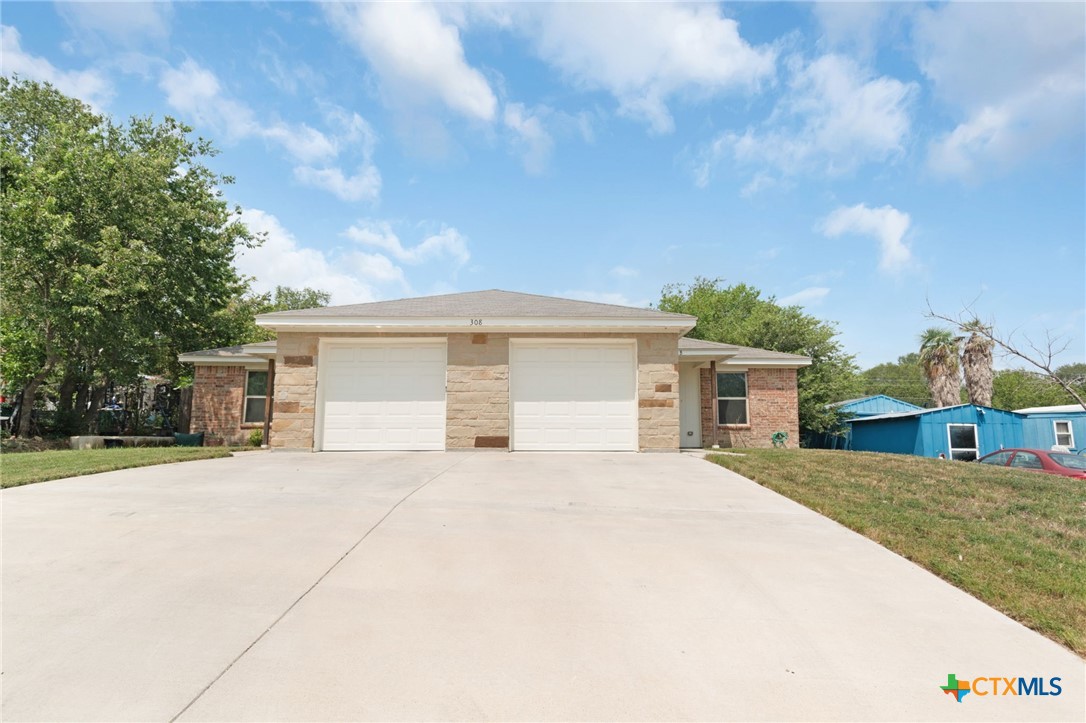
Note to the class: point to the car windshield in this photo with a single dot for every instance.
(1071, 461)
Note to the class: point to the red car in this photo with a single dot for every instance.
(1062, 463)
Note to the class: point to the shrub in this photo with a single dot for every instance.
(256, 438)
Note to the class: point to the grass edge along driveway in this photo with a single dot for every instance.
(24, 468)
(1016, 540)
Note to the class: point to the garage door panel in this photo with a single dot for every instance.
(574, 396)
(384, 397)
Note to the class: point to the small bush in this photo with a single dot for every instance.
(256, 438)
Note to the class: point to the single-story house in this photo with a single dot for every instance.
(491, 369)
(1063, 425)
(963, 432)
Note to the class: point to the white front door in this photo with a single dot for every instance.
(573, 395)
(382, 396)
(689, 406)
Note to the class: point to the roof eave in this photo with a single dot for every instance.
(769, 363)
(679, 325)
(222, 360)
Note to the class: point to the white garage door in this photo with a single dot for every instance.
(568, 396)
(388, 396)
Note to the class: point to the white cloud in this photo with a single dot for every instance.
(128, 23)
(533, 140)
(417, 56)
(886, 224)
(362, 186)
(447, 243)
(283, 261)
(856, 27)
(623, 272)
(196, 92)
(603, 297)
(805, 297)
(1011, 72)
(90, 86)
(834, 117)
(645, 54)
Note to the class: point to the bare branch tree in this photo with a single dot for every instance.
(1040, 356)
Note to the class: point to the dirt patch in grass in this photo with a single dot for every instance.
(1016, 540)
(29, 467)
(33, 444)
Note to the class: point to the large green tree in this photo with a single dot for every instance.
(1021, 388)
(239, 317)
(903, 379)
(118, 247)
(739, 314)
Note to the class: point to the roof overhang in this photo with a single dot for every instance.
(766, 363)
(460, 325)
(240, 360)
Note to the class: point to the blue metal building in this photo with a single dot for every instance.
(964, 432)
(852, 409)
(1045, 427)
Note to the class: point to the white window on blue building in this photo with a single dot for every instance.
(1065, 436)
(963, 441)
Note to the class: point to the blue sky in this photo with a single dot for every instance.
(857, 159)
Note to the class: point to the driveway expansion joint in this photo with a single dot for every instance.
(310, 589)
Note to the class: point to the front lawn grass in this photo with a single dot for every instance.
(27, 467)
(1016, 540)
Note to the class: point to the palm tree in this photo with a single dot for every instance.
(977, 363)
(939, 360)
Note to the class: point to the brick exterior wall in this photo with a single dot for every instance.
(772, 406)
(477, 401)
(218, 399)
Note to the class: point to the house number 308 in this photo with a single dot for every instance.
(476, 322)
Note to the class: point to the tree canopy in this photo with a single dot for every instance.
(903, 379)
(118, 246)
(239, 317)
(739, 314)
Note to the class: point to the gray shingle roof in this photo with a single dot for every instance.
(243, 350)
(492, 303)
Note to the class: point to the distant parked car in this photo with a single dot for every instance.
(1039, 460)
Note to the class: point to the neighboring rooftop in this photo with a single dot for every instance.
(492, 303)
(932, 410)
(1058, 409)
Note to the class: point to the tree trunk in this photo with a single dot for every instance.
(90, 417)
(977, 366)
(26, 399)
(82, 396)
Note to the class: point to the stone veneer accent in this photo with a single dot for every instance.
(218, 399)
(477, 392)
(772, 406)
(477, 401)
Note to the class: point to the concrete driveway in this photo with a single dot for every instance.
(480, 586)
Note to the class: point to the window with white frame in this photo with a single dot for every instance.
(731, 397)
(1065, 436)
(963, 441)
(256, 392)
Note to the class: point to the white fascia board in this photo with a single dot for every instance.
(460, 325)
(249, 362)
(705, 354)
(767, 363)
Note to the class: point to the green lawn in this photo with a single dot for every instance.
(27, 467)
(1016, 540)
